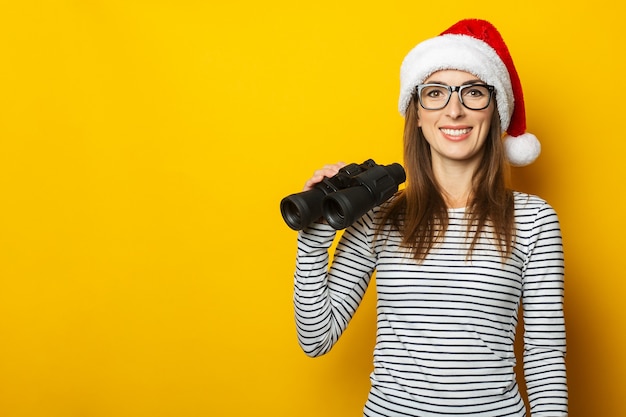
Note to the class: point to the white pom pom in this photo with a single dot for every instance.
(522, 150)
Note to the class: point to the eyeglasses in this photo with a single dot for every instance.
(472, 96)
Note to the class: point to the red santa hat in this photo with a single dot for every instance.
(475, 46)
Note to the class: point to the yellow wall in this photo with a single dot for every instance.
(145, 145)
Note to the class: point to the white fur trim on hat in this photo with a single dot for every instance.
(457, 52)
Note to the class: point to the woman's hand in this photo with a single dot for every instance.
(325, 172)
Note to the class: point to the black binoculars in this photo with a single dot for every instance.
(345, 197)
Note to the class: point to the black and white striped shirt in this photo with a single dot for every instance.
(446, 326)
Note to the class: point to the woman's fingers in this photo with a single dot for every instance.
(326, 171)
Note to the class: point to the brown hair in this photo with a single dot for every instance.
(420, 212)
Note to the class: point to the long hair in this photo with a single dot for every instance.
(420, 212)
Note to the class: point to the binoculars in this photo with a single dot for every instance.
(345, 197)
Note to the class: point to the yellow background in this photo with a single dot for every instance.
(145, 145)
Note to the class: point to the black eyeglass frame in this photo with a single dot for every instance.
(451, 89)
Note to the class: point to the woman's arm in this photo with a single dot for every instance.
(326, 299)
(544, 322)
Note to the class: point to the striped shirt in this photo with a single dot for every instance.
(446, 326)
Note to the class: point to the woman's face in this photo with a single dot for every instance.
(455, 133)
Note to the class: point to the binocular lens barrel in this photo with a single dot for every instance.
(344, 207)
(369, 189)
(301, 209)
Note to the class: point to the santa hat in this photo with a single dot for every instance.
(475, 46)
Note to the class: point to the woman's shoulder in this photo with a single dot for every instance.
(522, 198)
(525, 203)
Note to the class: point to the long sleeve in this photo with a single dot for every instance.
(326, 299)
(544, 323)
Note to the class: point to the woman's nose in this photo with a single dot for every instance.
(455, 108)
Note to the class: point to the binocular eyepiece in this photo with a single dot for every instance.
(345, 197)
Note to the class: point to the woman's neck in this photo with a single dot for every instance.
(455, 182)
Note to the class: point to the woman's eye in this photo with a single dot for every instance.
(436, 93)
(476, 92)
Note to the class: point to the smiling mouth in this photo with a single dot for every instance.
(456, 132)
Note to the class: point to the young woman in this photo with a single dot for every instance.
(455, 253)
